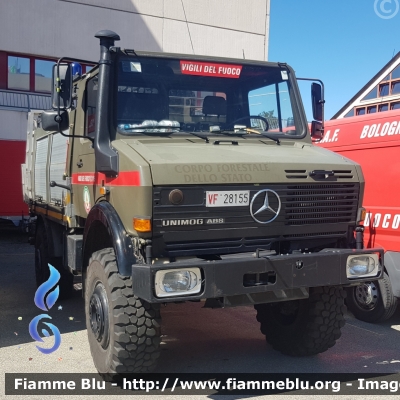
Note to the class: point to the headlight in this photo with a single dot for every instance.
(362, 266)
(177, 282)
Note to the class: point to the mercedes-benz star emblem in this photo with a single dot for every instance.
(269, 213)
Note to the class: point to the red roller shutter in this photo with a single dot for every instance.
(12, 155)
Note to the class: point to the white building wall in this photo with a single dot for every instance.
(54, 28)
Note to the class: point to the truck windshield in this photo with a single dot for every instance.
(158, 95)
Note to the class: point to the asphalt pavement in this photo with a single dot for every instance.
(194, 339)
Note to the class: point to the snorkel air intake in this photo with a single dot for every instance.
(106, 157)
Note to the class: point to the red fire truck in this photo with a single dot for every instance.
(373, 141)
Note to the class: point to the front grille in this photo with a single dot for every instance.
(296, 173)
(320, 204)
(316, 212)
(319, 234)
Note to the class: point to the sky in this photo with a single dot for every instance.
(342, 42)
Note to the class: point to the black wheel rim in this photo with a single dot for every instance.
(367, 295)
(98, 315)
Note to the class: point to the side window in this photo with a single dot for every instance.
(18, 73)
(263, 102)
(273, 103)
(91, 102)
(43, 73)
(373, 94)
(360, 111)
(286, 111)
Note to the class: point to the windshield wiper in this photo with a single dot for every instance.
(271, 137)
(250, 130)
(199, 136)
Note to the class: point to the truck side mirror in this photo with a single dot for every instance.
(49, 121)
(61, 90)
(317, 102)
(317, 130)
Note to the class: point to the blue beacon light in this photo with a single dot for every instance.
(76, 69)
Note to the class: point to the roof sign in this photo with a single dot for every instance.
(210, 69)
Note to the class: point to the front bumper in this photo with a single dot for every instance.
(293, 275)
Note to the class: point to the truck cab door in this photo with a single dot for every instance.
(84, 177)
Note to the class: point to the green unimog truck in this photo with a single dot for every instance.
(171, 178)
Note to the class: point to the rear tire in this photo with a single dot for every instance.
(304, 327)
(42, 259)
(372, 301)
(124, 331)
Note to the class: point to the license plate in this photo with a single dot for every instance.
(230, 198)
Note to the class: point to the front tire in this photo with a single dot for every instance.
(123, 330)
(372, 301)
(304, 327)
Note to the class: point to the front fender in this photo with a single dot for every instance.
(104, 228)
